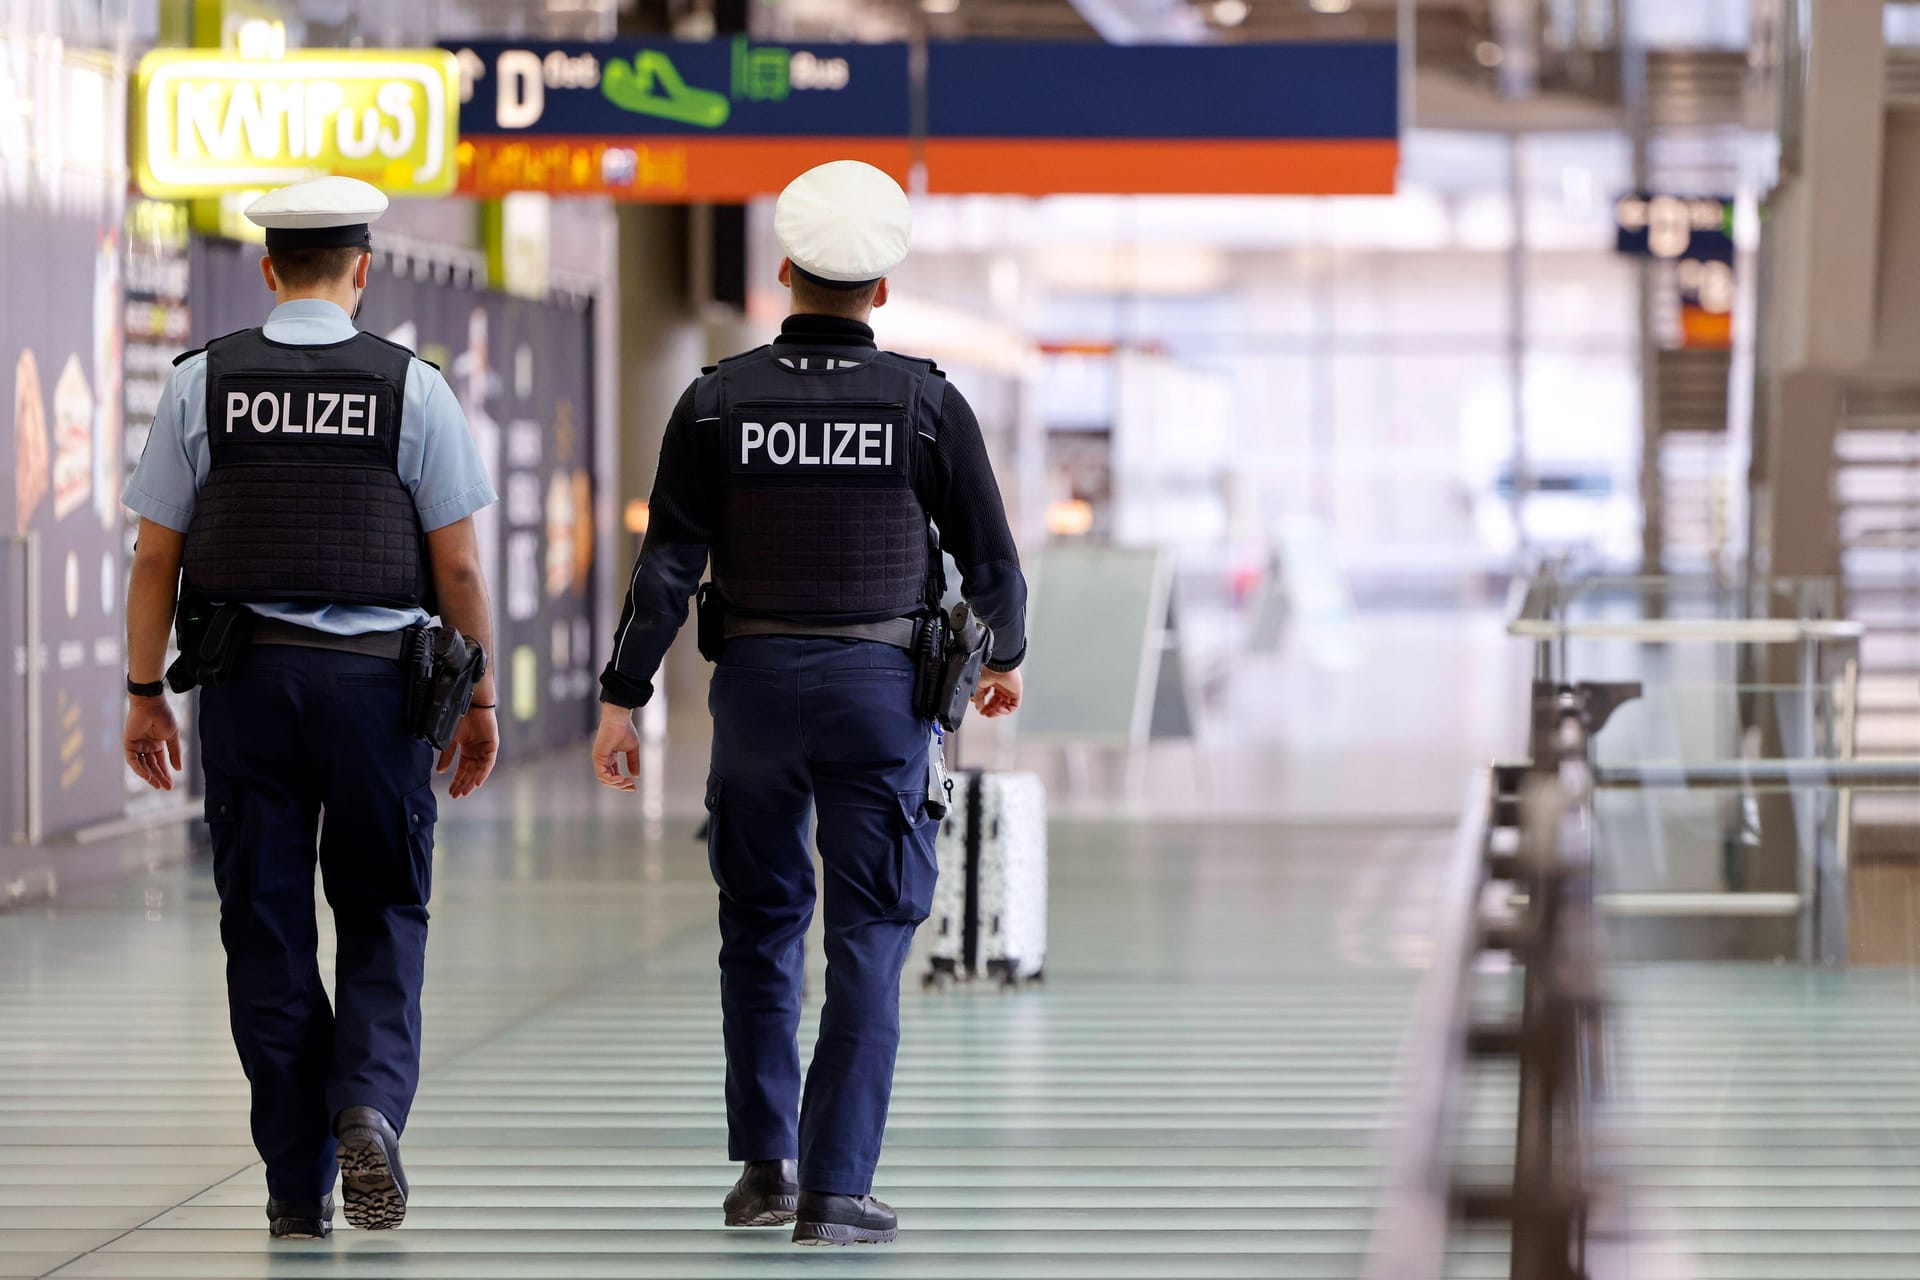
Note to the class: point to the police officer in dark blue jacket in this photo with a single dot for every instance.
(814, 472)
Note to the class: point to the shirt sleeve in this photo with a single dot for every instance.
(964, 500)
(452, 482)
(163, 484)
(682, 516)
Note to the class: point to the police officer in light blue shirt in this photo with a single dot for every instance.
(325, 480)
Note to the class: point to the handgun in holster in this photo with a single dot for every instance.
(948, 658)
(443, 667)
(211, 639)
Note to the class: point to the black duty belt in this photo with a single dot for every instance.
(898, 632)
(374, 644)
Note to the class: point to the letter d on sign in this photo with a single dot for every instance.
(521, 98)
(752, 436)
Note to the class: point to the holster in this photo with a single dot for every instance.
(710, 622)
(968, 639)
(442, 666)
(211, 640)
(947, 665)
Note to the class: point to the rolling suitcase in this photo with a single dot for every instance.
(990, 904)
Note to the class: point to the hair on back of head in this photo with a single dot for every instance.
(308, 268)
(817, 299)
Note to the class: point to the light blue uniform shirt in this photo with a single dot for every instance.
(438, 462)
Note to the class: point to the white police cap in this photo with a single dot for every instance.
(844, 223)
(322, 213)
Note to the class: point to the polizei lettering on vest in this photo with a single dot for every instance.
(816, 444)
(321, 413)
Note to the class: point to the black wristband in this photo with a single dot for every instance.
(481, 706)
(151, 690)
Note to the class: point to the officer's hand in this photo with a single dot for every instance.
(616, 742)
(477, 741)
(152, 741)
(998, 694)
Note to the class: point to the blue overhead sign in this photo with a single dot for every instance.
(734, 88)
(1085, 89)
(731, 119)
(1674, 227)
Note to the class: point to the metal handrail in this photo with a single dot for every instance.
(1731, 630)
(29, 542)
(1762, 775)
(1550, 589)
(1559, 1042)
(1554, 1036)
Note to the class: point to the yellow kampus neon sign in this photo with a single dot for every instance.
(205, 123)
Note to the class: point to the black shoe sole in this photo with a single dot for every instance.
(836, 1233)
(299, 1229)
(767, 1211)
(373, 1200)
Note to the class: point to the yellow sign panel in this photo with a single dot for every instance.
(205, 123)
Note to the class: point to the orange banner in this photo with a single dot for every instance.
(664, 170)
(670, 170)
(1037, 167)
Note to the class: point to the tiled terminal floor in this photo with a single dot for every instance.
(1199, 1090)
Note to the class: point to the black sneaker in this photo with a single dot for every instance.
(767, 1194)
(370, 1173)
(831, 1219)
(300, 1219)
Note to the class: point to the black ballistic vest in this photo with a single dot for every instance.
(304, 500)
(819, 518)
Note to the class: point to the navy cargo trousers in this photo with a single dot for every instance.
(298, 734)
(828, 725)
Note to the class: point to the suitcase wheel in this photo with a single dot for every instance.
(1010, 979)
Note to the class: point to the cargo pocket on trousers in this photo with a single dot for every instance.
(714, 832)
(422, 809)
(223, 804)
(223, 825)
(918, 869)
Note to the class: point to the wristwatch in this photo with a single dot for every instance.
(152, 689)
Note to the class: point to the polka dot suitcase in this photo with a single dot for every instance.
(990, 904)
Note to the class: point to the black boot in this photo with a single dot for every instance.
(766, 1195)
(370, 1173)
(300, 1219)
(829, 1219)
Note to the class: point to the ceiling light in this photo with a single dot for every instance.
(1489, 54)
(1230, 13)
(1070, 518)
(1330, 6)
(940, 6)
